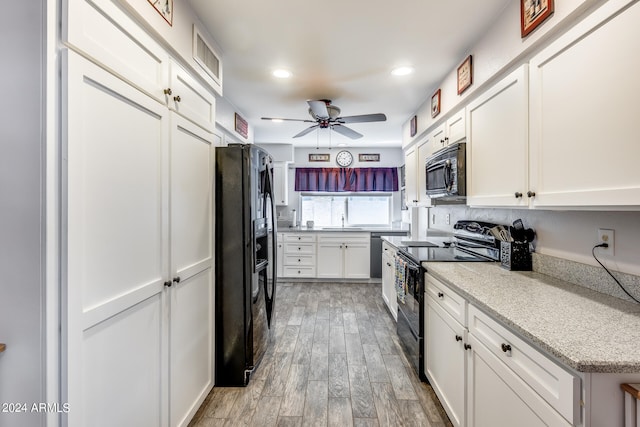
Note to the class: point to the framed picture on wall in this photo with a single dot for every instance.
(413, 126)
(465, 75)
(435, 103)
(164, 8)
(533, 13)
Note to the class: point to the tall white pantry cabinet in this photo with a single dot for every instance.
(137, 213)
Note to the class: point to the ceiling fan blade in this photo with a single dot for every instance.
(288, 120)
(363, 118)
(348, 132)
(306, 131)
(319, 109)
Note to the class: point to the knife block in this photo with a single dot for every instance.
(515, 256)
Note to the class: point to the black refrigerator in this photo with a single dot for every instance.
(245, 254)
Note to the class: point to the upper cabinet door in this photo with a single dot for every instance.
(191, 99)
(584, 113)
(497, 143)
(106, 34)
(456, 127)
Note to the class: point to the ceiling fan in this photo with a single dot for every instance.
(327, 115)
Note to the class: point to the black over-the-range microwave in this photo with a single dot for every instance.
(446, 173)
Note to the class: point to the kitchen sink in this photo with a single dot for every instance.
(341, 228)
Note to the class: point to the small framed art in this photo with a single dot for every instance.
(413, 128)
(435, 103)
(533, 13)
(164, 8)
(465, 75)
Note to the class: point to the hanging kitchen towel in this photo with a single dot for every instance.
(401, 279)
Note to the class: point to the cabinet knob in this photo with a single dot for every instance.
(167, 284)
(458, 338)
(167, 91)
(388, 265)
(518, 195)
(531, 193)
(440, 295)
(298, 259)
(346, 247)
(506, 347)
(298, 238)
(177, 98)
(467, 346)
(176, 279)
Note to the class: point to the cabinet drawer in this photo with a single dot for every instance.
(299, 271)
(453, 303)
(293, 260)
(388, 249)
(554, 384)
(306, 237)
(299, 248)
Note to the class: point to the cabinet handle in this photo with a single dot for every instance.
(298, 238)
(518, 195)
(176, 279)
(531, 193)
(467, 346)
(167, 284)
(299, 249)
(506, 347)
(388, 265)
(167, 91)
(298, 259)
(458, 338)
(177, 98)
(446, 139)
(346, 247)
(440, 295)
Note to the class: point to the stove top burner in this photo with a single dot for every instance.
(450, 254)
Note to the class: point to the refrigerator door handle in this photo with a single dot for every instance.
(268, 195)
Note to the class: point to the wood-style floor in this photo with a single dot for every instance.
(335, 361)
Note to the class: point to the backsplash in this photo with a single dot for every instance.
(588, 276)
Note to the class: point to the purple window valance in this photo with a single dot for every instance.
(346, 179)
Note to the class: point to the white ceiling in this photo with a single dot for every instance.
(341, 50)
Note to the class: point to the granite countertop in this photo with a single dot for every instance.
(586, 330)
(365, 229)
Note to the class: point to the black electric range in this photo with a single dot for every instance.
(472, 243)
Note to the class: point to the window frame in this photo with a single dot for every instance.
(346, 196)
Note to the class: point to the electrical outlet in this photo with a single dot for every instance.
(606, 235)
(447, 219)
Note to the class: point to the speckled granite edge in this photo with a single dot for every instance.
(583, 329)
(588, 276)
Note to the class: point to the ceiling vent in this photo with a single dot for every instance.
(206, 56)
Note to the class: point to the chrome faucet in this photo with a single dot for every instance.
(342, 220)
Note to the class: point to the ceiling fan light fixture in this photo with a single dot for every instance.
(281, 73)
(402, 71)
(277, 120)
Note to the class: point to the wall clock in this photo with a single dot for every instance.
(344, 158)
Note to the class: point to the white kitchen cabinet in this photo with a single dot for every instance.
(389, 278)
(343, 255)
(498, 397)
(281, 183)
(424, 149)
(191, 99)
(191, 253)
(497, 144)
(539, 389)
(299, 255)
(411, 189)
(453, 130)
(138, 260)
(445, 353)
(584, 113)
(485, 375)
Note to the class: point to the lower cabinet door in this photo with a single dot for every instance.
(330, 260)
(498, 397)
(356, 260)
(445, 360)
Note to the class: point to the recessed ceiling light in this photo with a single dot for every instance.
(402, 71)
(282, 74)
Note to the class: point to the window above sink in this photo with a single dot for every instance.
(348, 211)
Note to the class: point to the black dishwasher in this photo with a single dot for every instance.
(375, 254)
